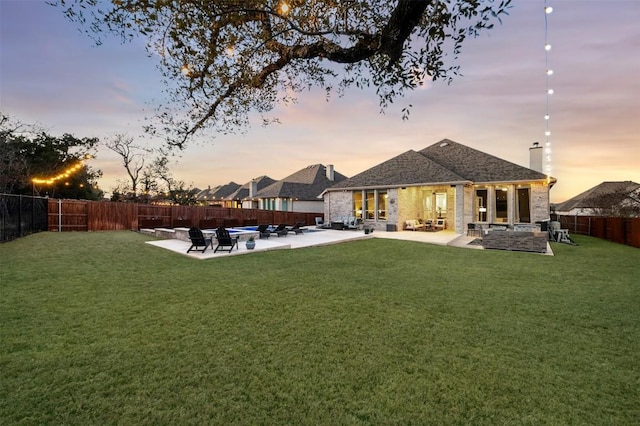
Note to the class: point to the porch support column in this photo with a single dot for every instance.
(491, 203)
(459, 209)
(511, 204)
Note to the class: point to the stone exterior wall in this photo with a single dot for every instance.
(337, 204)
(393, 208)
(539, 202)
(516, 241)
(410, 204)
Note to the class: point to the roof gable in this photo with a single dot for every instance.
(586, 198)
(409, 168)
(243, 191)
(305, 184)
(477, 166)
(222, 191)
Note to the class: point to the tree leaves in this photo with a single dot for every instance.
(241, 55)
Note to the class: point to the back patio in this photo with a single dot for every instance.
(313, 238)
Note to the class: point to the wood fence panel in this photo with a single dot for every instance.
(632, 232)
(67, 215)
(153, 216)
(110, 216)
(82, 215)
(617, 229)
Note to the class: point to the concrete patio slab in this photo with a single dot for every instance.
(325, 237)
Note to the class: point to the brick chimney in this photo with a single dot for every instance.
(330, 173)
(535, 157)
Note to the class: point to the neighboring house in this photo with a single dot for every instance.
(216, 196)
(605, 199)
(298, 192)
(447, 180)
(242, 197)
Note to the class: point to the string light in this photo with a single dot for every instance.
(549, 73)
(64, 175)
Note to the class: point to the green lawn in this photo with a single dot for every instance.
(100, 328)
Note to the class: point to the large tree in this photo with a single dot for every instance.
(33, 161)
(224, 58)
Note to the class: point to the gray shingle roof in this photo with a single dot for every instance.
(477, 166)
(305, 184)
(243, 192)
(409, 168)
(223, 191)
(586, 199)
(445, 162)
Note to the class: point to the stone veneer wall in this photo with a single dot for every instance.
(337, 204)
(539, 202)
(516, 241)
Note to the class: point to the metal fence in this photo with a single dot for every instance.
(21, 215)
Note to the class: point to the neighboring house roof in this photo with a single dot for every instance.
(207, 194)
(305, 184)
(589, 198)
(445, 162)
(218, 192)
(243, 191)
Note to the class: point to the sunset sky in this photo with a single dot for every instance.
(54, 75)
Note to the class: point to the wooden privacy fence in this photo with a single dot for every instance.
(82, 215)
(621, 230)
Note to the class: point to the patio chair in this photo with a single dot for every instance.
(354, 223)
(296, 228)
(413, 225)
(439, 225)
(198, 240)
(320, 223)
(225, 241)
(264, 231)
(280, 230)
(473, 231)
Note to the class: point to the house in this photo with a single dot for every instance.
(605, 199)
(446, 180)
(243, 196)
(216, 196)
(300, 191)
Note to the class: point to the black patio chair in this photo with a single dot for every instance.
(281, 230)
(225, 241)
(198, 240)
(264, 231)
(297, 228)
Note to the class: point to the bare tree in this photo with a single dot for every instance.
(176, 190)
(624, 201)
(132, 157)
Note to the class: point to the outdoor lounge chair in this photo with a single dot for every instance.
(296, 228)
(225, 241)
(280, 230)
(264, 231)
(413, 225)
(354, 223)
(321, 224)
(198, 240)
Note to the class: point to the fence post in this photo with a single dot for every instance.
(59, 215)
